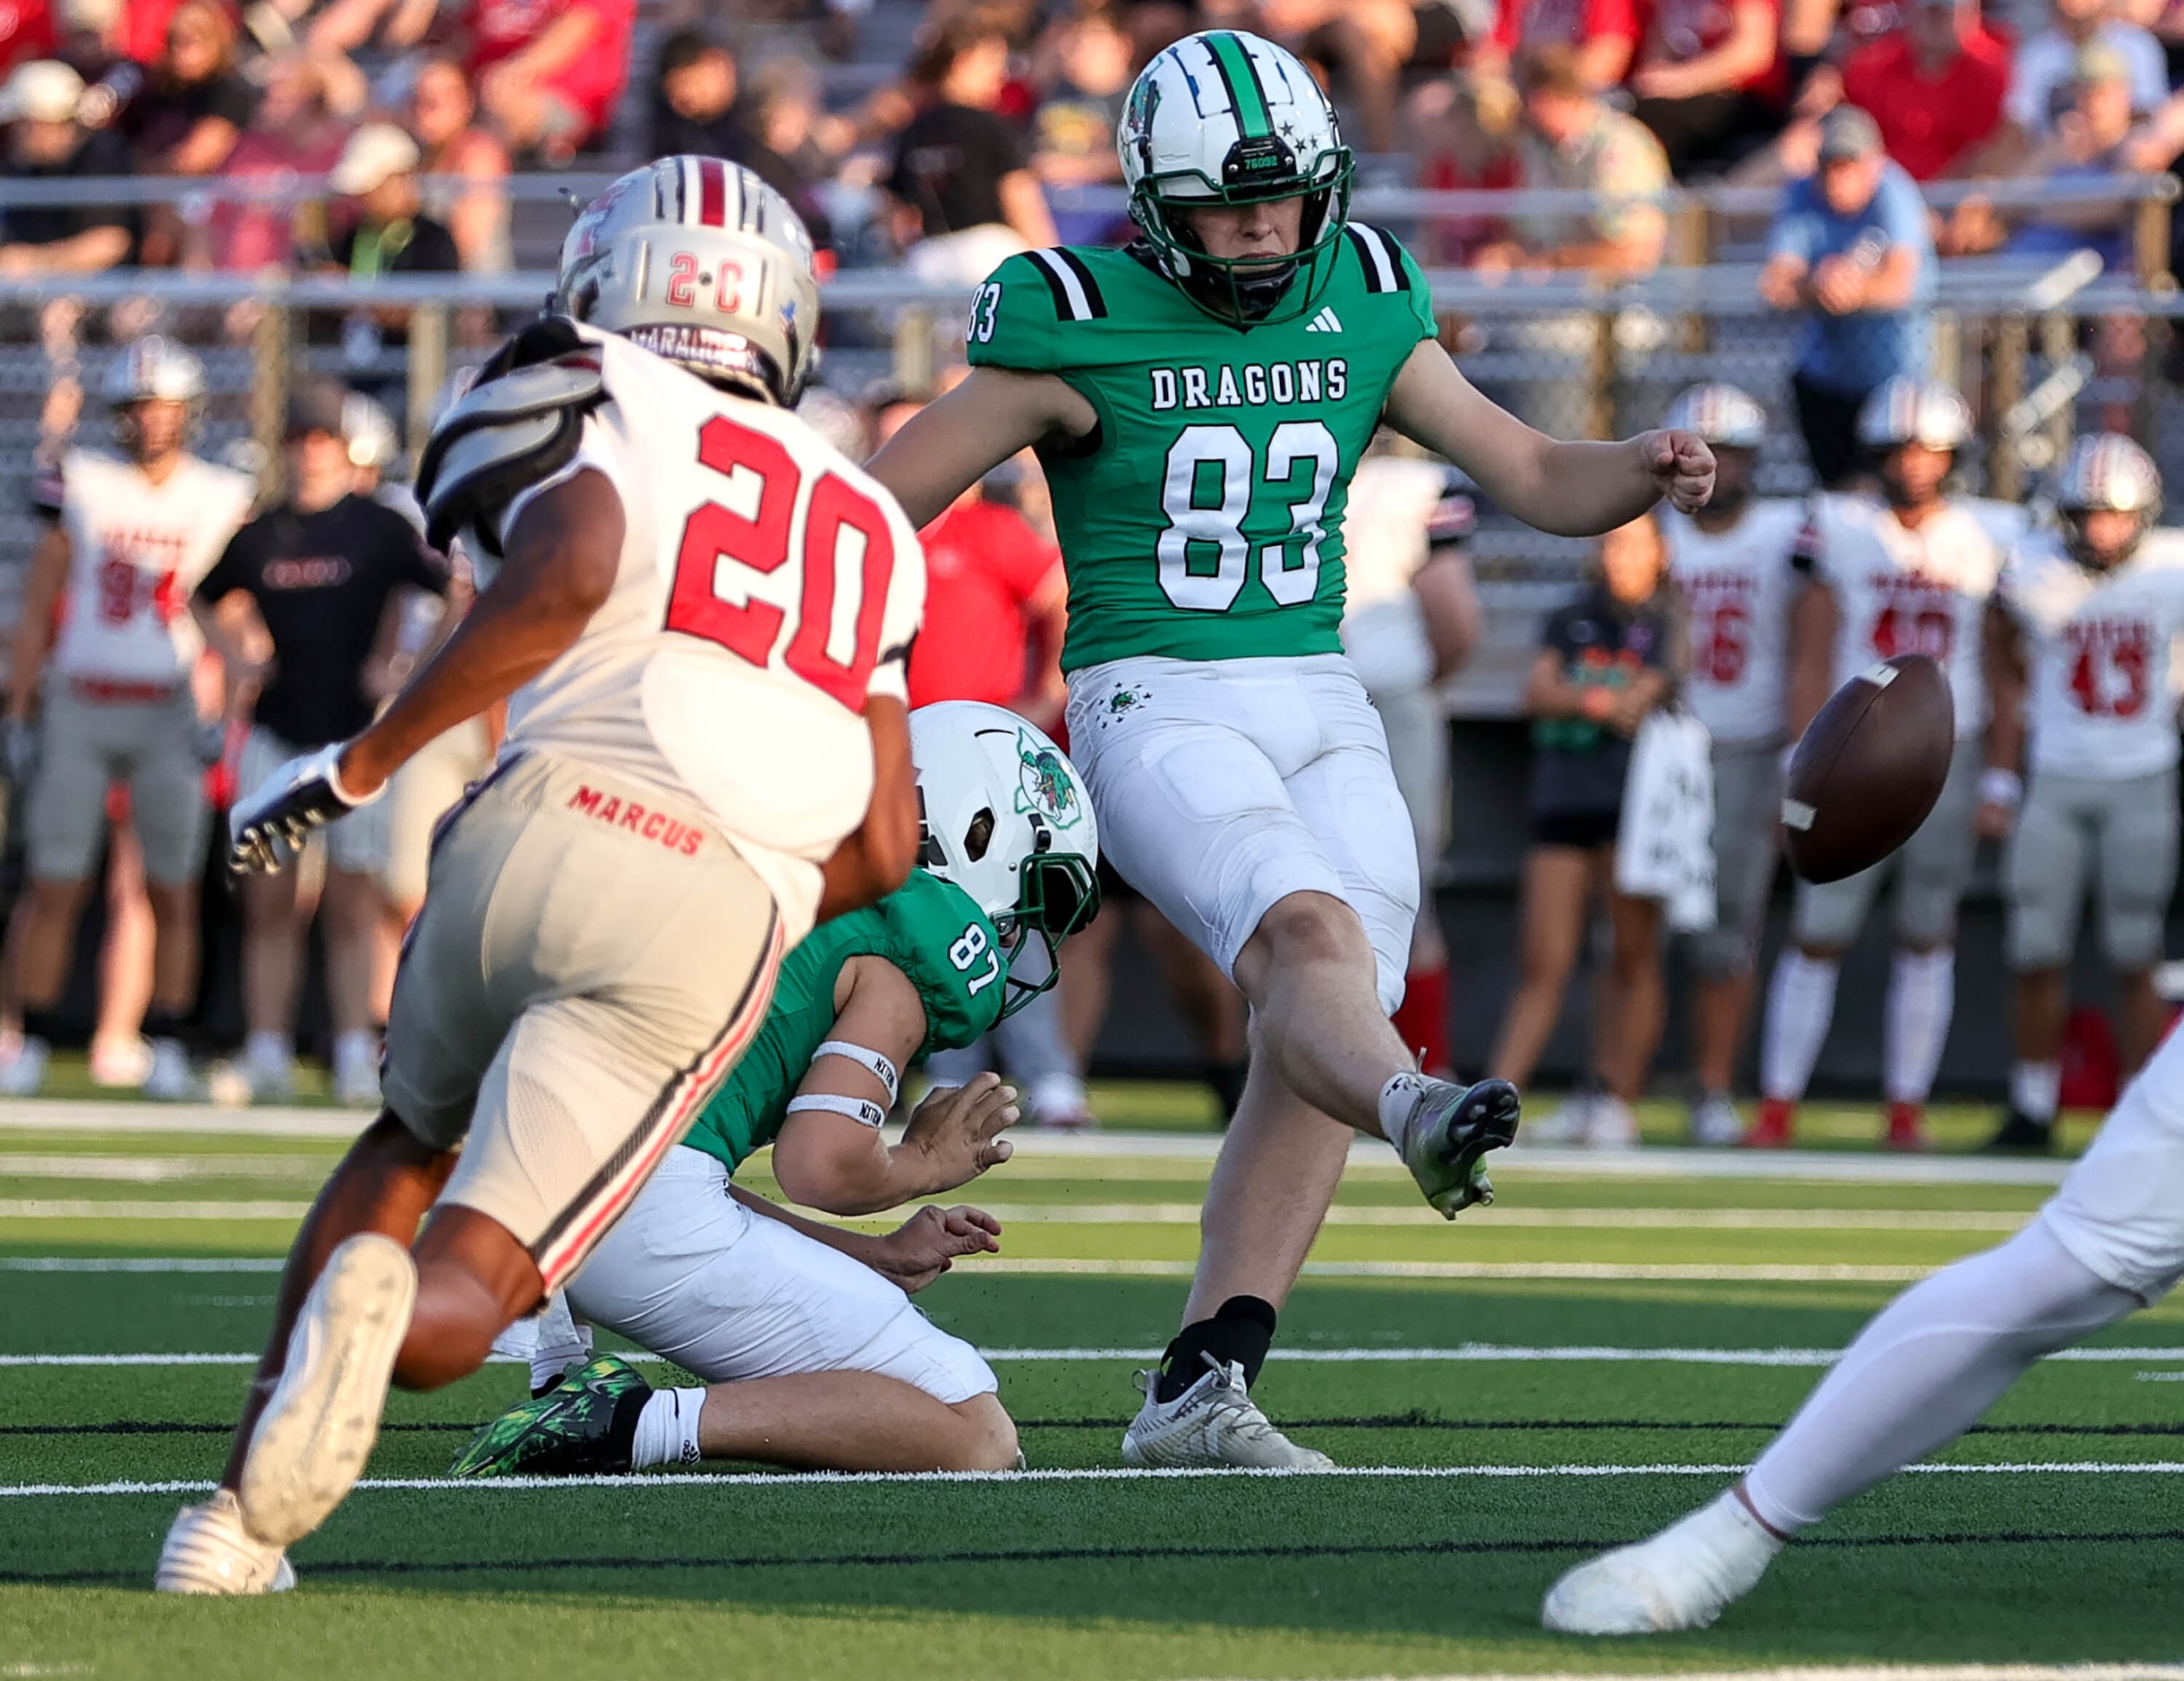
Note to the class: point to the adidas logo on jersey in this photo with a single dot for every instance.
(1326, 322)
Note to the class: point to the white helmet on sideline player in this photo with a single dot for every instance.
(2105, 473)
(1224, 117)
(1721, 415)
(1006, 818)
(153, 369)
(701, 262)
(1908, 411)
(374, 440)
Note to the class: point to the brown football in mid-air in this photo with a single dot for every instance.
(1868, 768)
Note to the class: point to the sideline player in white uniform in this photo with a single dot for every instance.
(608, 909)
(1909, 571)
(2110, 1241)
(2079, 652)
(1200, 402)
(1411, 619)
(132, 538)
(1732, 560)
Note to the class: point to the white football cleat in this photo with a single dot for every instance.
(25, 1071)
(1715, 1123)
(1213, 1423)
(208, 1551)
(170, 1077)
(1681, 1578)
(1612, 1124)
(316, 1433)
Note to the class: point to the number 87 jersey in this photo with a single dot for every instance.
(1202, 519)
(766, 588)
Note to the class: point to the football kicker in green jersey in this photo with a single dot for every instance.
(1202, 518)
(930, 930)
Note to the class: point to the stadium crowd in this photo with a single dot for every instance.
(970, 144)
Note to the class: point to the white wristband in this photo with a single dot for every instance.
(1999, 787)
(828, 1103)
(871, 1061)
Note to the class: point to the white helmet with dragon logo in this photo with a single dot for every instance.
(1007, 819)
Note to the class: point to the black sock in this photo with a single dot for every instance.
(39, 1024)
(165, 1024)
(1227, 1078)
(1240, 1333)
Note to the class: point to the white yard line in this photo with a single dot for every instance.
(1601, 1272)
(161, 1169)
(98, 1208)
(1606, 1272)
(1116, 1473)
(1486, 1354)
(1859, 1672)
(1842, 1167)
(155, 1170)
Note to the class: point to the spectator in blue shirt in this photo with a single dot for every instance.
(1851, 249)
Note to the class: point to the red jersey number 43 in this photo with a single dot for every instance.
(839, 534)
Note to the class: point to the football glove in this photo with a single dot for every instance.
(302, 794)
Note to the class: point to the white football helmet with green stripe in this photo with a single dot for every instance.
(1222, 117)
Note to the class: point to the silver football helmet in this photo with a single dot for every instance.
(1721, 415)
(1908, 411)
(2106, 472)
(701, 262)
(153, 369)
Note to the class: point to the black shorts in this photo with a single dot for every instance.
(1584, 830)
(1830, 422)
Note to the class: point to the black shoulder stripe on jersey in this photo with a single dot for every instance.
(1077, 295)
(1083, 269)
(1380, 258)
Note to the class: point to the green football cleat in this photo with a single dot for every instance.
(585, 1423)
(1456, 1126)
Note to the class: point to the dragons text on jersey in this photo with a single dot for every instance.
(1202, 518)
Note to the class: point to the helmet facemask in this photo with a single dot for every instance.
(1249, 289)
(1061, 894)
(2078, 537)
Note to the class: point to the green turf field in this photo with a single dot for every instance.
(1564, 1370)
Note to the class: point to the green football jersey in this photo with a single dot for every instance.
(929, 929)
(1202, 519)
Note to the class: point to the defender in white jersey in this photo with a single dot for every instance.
(702, 615)
(131, 536)
(1909, 571)
(1733, 562)
(2110, 1241)
(2078, 643)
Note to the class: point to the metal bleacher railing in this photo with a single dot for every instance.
(2047, 345)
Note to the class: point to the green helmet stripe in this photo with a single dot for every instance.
(1242, 84)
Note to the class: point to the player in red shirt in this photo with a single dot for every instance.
(1935, 87)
